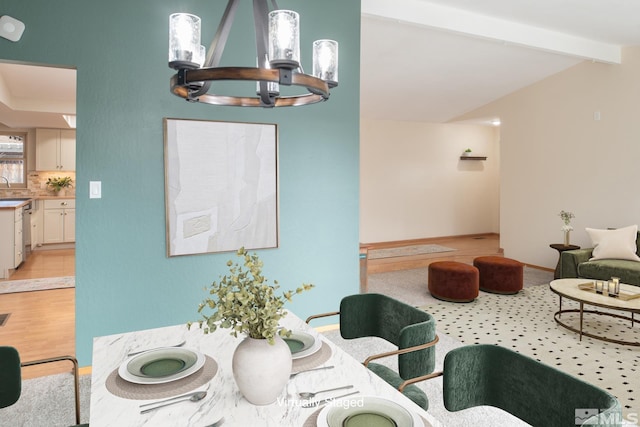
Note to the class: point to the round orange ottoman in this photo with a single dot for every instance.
(499, 275)
(453, 281)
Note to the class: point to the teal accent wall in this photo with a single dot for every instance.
(124, 280)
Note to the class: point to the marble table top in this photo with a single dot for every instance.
(223, 398)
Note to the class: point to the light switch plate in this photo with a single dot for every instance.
(11, 28)
(95, 189)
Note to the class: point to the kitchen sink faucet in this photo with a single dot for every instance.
(6, 179)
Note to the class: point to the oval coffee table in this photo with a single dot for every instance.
(570, 288)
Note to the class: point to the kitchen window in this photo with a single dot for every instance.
(13, 160)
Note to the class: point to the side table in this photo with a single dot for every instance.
(561, 247)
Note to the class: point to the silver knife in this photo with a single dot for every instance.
(327, 400)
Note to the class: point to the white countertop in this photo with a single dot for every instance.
(10, 203)
(20, 201)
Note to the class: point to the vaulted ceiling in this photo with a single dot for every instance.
(433, 60)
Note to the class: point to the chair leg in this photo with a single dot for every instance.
(76, 379)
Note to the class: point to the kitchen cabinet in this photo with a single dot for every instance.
(55, 150)
(59, 218)
(11, 248)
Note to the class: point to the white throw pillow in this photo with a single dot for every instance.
(614, 244)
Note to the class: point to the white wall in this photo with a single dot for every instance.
(414, 185)
(556, 156)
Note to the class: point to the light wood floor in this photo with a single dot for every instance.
(42, 323)
(47, 263)
(467, 248)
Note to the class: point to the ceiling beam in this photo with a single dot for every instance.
(423, 13)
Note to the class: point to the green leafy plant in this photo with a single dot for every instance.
(245, 302)
(58, 183)
(468, 150)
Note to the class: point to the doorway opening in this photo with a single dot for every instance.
(38, 97)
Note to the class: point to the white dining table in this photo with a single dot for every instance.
(223, 397)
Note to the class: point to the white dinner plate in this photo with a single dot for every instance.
(161, 365)
(302, 344)
(369, 411)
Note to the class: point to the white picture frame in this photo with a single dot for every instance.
(221, 186)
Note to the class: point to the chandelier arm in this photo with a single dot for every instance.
(260, 12)
(222, 34)
(218, 43)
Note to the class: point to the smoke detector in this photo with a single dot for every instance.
(11, 28)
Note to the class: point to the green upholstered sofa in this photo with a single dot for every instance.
(576, 264)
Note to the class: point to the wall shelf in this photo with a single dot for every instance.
(473, 157)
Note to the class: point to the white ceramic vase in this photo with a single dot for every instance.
(261, 370)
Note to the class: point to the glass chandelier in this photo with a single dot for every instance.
(277, 60)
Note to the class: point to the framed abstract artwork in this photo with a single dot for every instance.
(221, 186)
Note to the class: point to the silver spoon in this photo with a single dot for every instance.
(199, 395)
(310, 395)
(217, 423)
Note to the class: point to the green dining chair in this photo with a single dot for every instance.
(11, 377)
(412, 330)
(536, 393)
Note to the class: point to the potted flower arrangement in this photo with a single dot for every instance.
(60, 184)
(566, 228)
(246, 303)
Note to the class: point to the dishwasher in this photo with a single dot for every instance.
(27, 211)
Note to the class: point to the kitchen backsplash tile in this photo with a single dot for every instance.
(37, 185)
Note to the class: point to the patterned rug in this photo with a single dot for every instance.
(524, 322)
(407, 251)
(28, 285)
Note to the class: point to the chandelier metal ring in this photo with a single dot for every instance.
(318, 89)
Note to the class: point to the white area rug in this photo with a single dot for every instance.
(28, 285)
(524, 322)
(407, 251)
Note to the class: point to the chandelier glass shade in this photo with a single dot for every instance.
(277, 34)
